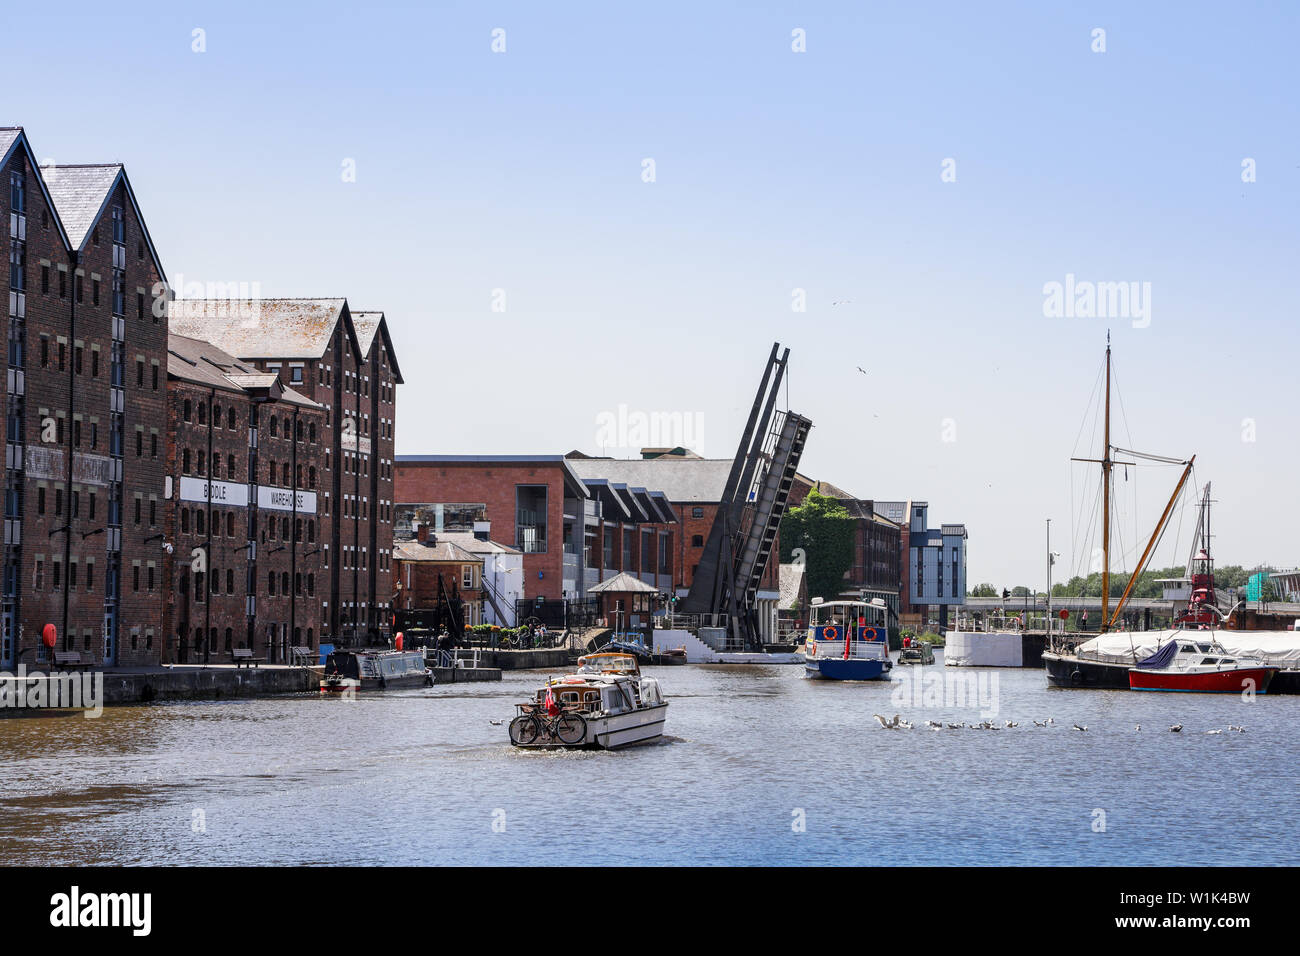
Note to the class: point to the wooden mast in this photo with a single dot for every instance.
(1105, 505)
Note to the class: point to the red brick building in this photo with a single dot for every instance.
(85, 414)
(427, 568)
(692, 488)
(573, 533)
(245, 465)
(313, 347)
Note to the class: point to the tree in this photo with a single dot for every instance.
(984, 590)
(825, 531)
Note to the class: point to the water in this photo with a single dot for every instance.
(422, 777)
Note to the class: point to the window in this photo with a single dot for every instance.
(467, 577)
(697, 541)
(697, 512)
(530, 518)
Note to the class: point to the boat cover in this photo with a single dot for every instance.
(1279, 648)
(1161, 658)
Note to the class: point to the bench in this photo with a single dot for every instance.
(243, 657)
(71, 660)
(303, 656)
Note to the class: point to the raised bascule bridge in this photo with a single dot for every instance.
(744, 533)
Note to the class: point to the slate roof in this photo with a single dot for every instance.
(367, 324)
(193, 360)
(79, 194)
(622, 583)
(467, 541)
(680, 479)
(442, 551)
(8, 136)
(262, 328)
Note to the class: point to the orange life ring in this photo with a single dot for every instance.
(830, 634)
(574, 679)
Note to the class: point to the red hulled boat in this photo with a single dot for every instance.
(1200, 666)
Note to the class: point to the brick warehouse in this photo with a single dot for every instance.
(345, 363)
(248, 459)
(85, 414)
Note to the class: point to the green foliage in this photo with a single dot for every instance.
(984, 590)
(825, 531)
(1148, 586)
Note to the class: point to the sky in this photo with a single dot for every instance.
(582, 219)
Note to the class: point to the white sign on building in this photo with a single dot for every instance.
(282, 499)
(226, 493)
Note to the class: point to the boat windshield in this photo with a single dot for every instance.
(608, 664)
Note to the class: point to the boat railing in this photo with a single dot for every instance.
(457, 657)
(1008, 621)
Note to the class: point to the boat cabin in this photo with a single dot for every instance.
(856, 620)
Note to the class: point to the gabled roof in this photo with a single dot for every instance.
(264, 328)
(442, 551)
(622, 583)
(9, 135)
(202, 363)
(13, 138)
(467, 541)
(81, 193)
(367, 324)
(680, 479)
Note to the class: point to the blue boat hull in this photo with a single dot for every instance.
(831, 668)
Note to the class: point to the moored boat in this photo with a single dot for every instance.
(842, 645)
(605, 704)
(917, 652)
(1201, 666)
(350, 671)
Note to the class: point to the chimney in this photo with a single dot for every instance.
(421, 532)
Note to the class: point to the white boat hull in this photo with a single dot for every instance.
(621, 730)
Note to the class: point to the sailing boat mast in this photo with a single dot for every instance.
(1105, 505)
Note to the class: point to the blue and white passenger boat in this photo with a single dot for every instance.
(847, 640)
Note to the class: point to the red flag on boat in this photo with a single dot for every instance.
(551, 705)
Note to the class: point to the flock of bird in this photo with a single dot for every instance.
(897, 723)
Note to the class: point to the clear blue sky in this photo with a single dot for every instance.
(774, 170)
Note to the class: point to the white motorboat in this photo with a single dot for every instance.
(606, 703)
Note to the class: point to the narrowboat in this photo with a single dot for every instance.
(378, 669)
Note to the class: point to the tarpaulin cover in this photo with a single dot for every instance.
(1280, 648)
(1161, 658)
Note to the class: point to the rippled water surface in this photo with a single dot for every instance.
(423, 777)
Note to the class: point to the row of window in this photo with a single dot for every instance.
(277, 583)
(277, 473)
(305, 432)
(275, 527)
